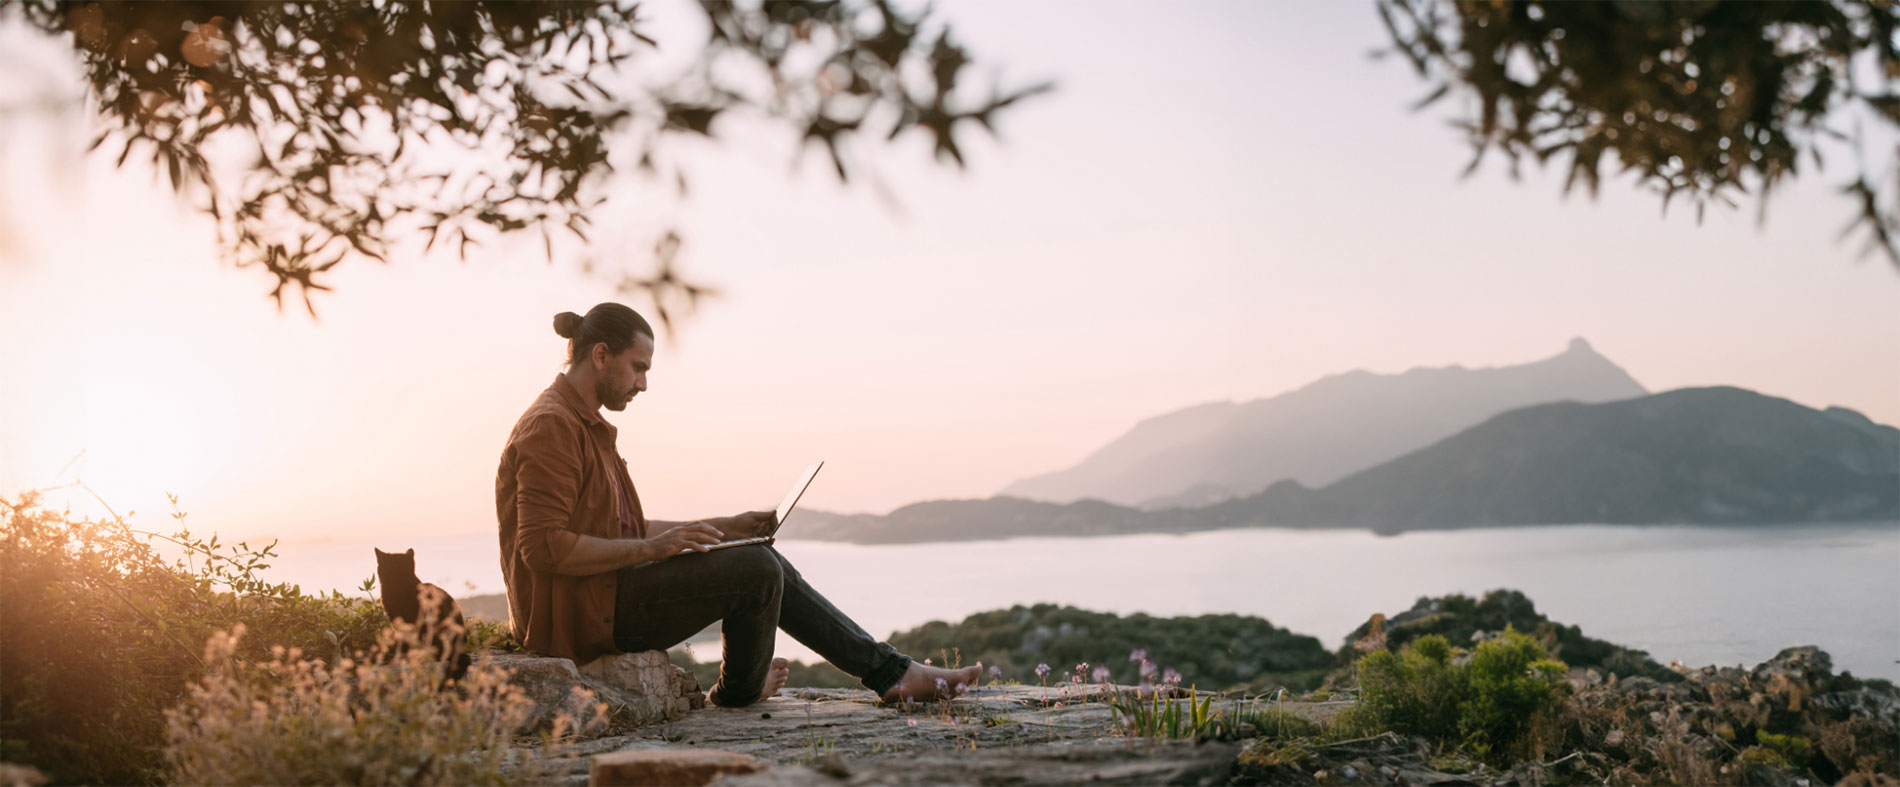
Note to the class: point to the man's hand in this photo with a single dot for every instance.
(746, 525)
(686, 537)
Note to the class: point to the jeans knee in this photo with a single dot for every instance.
(756, 566)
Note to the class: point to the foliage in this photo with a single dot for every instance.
(491, 635)
(1149, 714)
(103, 633)
(1701, 98)
(376, 720)
(347, 112)
(1211, 650)
(1459, 618)
(1486, 704)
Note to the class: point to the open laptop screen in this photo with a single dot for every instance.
(791, 498)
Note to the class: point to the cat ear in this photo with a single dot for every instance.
(411, 553)
(380, 553)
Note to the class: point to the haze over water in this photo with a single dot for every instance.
(1701, 595)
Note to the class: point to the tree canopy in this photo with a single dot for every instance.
(356, 122)
(1703, 99)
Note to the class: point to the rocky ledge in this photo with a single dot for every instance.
(1788, 721)
(639, 689)
(1020, 734)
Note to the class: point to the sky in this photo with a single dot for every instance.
(1222, 201)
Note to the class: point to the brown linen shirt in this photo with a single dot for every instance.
(557, 482)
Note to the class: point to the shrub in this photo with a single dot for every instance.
(376, 720)
(1487, 705)
(103, 633)
(1223, 651)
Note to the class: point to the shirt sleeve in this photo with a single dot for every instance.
(547, 482)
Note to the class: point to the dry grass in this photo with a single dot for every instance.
(384, 719)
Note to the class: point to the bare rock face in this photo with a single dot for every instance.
(640, 767)
(638, 688)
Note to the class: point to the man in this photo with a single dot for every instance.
(588, 574)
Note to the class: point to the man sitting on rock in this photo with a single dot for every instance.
(588, 574)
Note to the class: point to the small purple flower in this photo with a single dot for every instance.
(1081, 668)
(996, 672)
(1138, 654)
(1101, 674)
(926, 662)
(913, 721)
(942, 685)
(1147, 669)
(1076, 679)
(1170, 677)
(1042, 671)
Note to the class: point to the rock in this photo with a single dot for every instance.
(635, 767)
(638, 688)
(993, 734)
(16, 775)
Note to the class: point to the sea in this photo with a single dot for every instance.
(1695, 594)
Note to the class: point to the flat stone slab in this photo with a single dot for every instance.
(992, 734)
(642, 767)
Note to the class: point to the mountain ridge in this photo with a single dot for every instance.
(1317, 433)
(1716, 455)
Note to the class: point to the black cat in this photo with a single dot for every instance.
(434, 613)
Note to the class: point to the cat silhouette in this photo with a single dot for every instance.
(434, 613)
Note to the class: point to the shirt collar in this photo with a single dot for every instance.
(573, 399)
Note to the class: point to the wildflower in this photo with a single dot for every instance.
(996, 672)
(942, 685)
(913, 721)
(1076, 679)
(926, 662)
(1042, 671)
(1147, 669)
(1138, 654)
(1101, 674)
(1170, 677)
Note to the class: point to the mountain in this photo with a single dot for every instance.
(1317, 434)
(1692, 456)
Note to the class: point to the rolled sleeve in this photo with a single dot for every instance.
(547, 479)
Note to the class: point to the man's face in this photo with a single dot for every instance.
(623, 376)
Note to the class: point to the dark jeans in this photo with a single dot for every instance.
(754, 590)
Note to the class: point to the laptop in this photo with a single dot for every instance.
(778, 516)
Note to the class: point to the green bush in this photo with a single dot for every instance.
(1487, 705)
(103, 633)
(1213, 651)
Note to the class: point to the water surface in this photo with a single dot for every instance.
(1701, 595)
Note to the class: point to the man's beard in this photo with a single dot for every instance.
(612, 398)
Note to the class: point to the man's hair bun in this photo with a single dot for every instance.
(567, 324)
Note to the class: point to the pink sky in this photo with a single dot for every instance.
(1224, 201)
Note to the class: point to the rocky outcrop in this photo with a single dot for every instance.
(993, 734)
(638, 688)
(1787, 720)
(1465, 621)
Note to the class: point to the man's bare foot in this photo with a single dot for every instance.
(774, 680)
(925, 684)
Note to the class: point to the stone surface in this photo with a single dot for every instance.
(640, 767)
(1630, 731)
(638, 688)
(992, 734)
